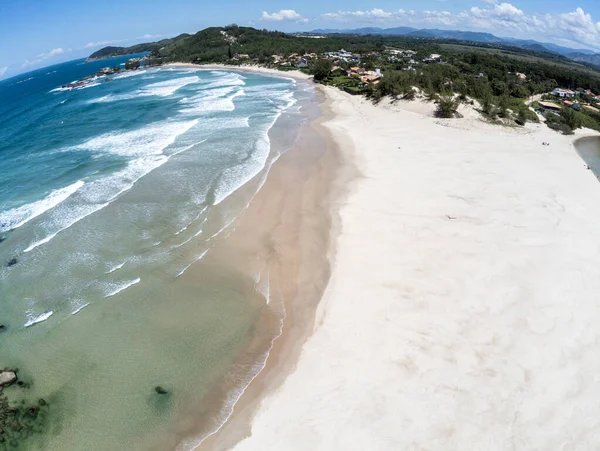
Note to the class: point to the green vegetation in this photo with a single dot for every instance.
(321, 69)
(447, 107)
(497, 79)
(132, 64)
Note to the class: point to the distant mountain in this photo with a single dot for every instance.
(473, 36)
(399, 31)
(109, 52)
(585, 58)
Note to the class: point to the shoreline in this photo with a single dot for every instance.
(331, 179)
(274, 222)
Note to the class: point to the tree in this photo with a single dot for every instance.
(229, 52)
(522, 115)
(571, 118)
(446, 107)
(321, 69)
(503, 106)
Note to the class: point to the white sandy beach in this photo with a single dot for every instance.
(462, 312)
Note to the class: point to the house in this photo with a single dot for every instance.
(303, 62)
(356, 72)
(433, 58)
(563, 93)
(591, 108)
(371, 78)
(337, 70)
(549, 106)
(521, 76)
(570, 104)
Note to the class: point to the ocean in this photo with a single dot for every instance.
(111, 196)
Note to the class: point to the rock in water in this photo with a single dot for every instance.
(12, 262)
(7, 377)
(160, 390)
(2, 239)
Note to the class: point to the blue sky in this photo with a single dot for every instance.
(38, 33)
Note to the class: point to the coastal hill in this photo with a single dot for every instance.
(112, 51)
(213, 43)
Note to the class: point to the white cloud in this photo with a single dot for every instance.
(496, 16)
(3, 70)
(91, 45)
(439, 17)
(576, 27)
(150, 36)
(500, 14)
(44, 56)
(284, 14)
(373, 14)
(54, 52)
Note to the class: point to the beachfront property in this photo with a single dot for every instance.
(433, 58)
(563, 93)
(342, 56)
(550, 107)
(294, 60)
(574, 104)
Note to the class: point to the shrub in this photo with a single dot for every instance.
(410, 94)
(571, 118)
(560, 127)
(446, 107)
(503, 106)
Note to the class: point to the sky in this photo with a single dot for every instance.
(39, 33)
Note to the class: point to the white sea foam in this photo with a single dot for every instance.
(169, 87)
(149, 140)
(115, 268)
(79, 308)
(74, 217)
(160, 89)
(211, 104)
(209, 94)
(32, 319)
(193, 220)
(234, 80)
(129, 74)
(145, 145)
(16, 217)
(235, 177)
(123, 286)
(188, 266)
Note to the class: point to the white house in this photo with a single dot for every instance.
(563, 93)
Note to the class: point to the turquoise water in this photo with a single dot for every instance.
(108, 196)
